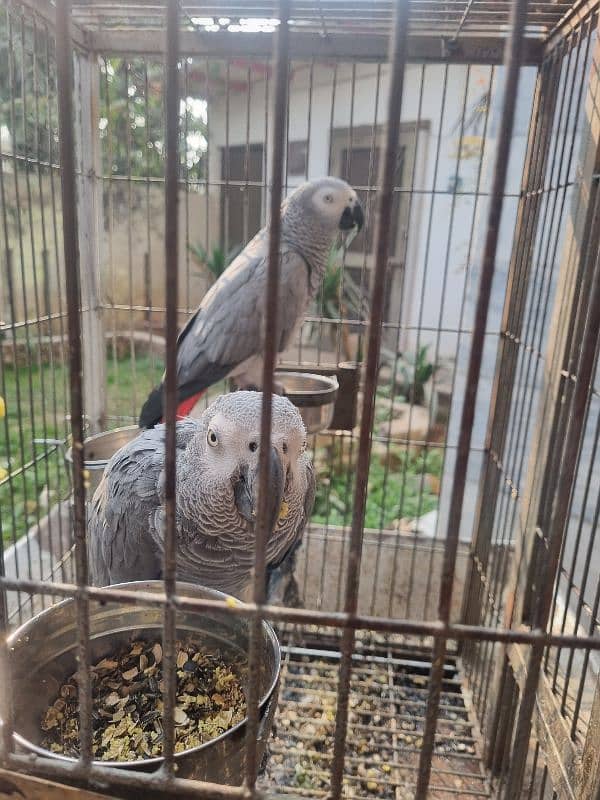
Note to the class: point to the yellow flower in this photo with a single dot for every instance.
(2, 407)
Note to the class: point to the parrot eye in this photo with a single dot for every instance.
(253, 447)
(211, 438)
(328, 198)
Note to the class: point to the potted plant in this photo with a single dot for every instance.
(416, 371)
(215, 262)
(340, 298)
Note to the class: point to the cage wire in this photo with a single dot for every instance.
(447, 643)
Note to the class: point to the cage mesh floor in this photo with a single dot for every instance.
(387, 709)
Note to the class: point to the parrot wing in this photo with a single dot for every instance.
(281, 582)
(120, 542)
(228, 327)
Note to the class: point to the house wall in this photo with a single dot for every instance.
(444, 229)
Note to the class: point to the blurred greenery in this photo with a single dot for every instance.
(216, 262)
(416, 370)
(340, 297)
(30, 415)
(402, 485)
(131, 124)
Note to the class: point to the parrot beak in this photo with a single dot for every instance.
(246, 490)
(352, 216)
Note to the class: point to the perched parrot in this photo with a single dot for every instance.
(224, 337)
(216, 494)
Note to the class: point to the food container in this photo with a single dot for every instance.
(313, 395)
(42, 655)
(98, 449)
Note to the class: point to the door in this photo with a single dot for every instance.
(241, 205)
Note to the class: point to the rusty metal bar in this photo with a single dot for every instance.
(516, 364)
(271, 339)
(152, 785)
(368, 47)
(64, 70)
(332, 619)
(170, 383)
(559, 519)
(513, 54)
(521, 260)
(382, 249)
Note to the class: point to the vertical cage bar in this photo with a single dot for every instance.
(18, 278)
(127, 67)
(582, 238)
(513, 50)
(589, 317)
(382, 248)
(45, 309)
(170, 382)
(89, 207)
(559, 520)
(281, 69)
(64, 70)
(506, 362)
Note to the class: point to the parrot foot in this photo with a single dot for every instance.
(291, 596)
(263, 764)
(283, 591)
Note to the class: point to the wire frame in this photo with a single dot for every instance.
(49, 86)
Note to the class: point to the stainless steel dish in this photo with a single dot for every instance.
(98, 449)
(314, 396)
(42, 655)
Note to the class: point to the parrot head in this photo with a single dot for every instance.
(231, 448)
(328, 203)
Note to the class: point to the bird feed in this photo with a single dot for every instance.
(127, 703)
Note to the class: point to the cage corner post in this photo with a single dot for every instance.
(89, 202)
(536, 170)
(573, 339)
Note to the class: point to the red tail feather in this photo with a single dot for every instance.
(184, 408)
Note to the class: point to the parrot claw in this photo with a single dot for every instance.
(283, 590)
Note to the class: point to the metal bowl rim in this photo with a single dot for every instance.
(143, 762)
(95, 437)
(313, 397)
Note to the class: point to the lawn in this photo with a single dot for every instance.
(36, 406)
(402, 485)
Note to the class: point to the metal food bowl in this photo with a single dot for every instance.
(97, 451)
(42, 656)
(314, 396)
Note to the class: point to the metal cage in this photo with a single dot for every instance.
(447, 647)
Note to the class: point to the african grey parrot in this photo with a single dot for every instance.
(224, 337)
(217, 485)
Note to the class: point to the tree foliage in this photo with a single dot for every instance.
(131, 116)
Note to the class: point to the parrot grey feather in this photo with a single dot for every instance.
(215, 542)
(225, 336)
(228, 327)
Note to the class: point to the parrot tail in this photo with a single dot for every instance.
(152, 410)
(184, 408)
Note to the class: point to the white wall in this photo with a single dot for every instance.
(443, 228)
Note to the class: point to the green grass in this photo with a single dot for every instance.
(36, 405)
(402, 485)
